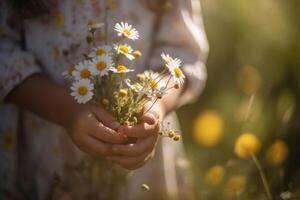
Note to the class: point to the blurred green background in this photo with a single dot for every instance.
(253, 86)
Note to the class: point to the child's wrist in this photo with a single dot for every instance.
(70, 113)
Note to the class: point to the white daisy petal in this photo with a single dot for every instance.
(166, 57)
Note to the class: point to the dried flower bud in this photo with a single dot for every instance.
(171, 133)
(137, 54)
(89, 38)
(176, 86)
(140, 77)
(115, 94)
(176, 137)
(123, 92)
(105, 101)
(160, 132)
(159, 96)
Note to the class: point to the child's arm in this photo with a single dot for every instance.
(21, 83)
(53, 102)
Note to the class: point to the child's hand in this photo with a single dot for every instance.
(133, 156)
(93, 130)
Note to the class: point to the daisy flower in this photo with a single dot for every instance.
(124, 49)
(176, 72)
(100, 65)
(82, 70)
(68, 73)
(100, 51)
(124, 29)
(166, 57)
(121, 69)
(82, 91)
(136, 87)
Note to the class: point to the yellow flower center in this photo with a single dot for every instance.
(101, 65)
(71, 70)
(153, 84)
(124, 49)
(82, 90)
(126, 31)
(85, 73)
(100, 52)
(121, 68)
(178, 72)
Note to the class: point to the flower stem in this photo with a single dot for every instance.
(106, 25)
(263, 177)
(151, 105)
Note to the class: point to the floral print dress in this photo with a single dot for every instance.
(37, 158)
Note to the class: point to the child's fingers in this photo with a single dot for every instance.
(103, 133)
(141, 147)
(142, 130)
(150, 118)
(95, 147)
(105, 117)
(130, 163)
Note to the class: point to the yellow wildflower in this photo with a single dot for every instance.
(246, 145)
(235, 186)
(215, 175)
(277, 152)
(208, 128)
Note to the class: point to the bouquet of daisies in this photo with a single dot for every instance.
(103, 77)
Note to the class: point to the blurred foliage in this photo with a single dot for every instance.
(253, 86)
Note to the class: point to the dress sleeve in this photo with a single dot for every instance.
(16, 64)
(182, 35)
